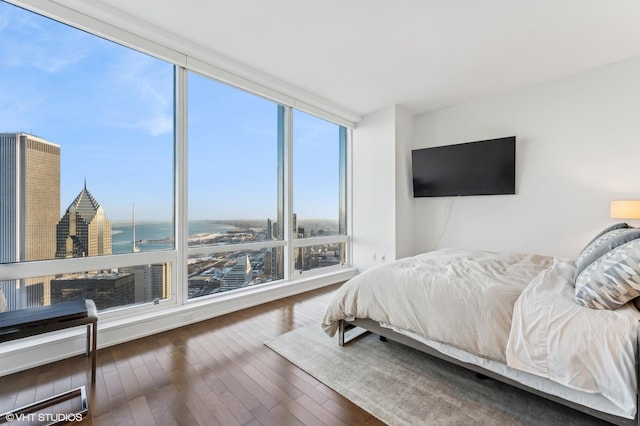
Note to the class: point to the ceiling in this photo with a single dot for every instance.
(363, 55)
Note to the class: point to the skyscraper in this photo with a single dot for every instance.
(151, 281)
(84, 230)
(239, 276)
(106, 289)
(29, 211)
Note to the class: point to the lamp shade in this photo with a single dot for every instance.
(625, 209)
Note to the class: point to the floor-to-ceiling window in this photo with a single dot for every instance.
(95, 187)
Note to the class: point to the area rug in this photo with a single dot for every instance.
(402, 386)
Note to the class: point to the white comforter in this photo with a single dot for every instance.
(462, 298)
(589, 350)
(466, 299)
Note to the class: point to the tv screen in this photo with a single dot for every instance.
(473, 168)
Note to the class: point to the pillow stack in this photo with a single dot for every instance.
(608, 268)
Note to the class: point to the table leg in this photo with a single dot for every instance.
(94, 352)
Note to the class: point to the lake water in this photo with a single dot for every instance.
(156, 236)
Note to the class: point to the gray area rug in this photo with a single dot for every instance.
(402, 386)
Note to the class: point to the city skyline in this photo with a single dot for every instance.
(31, 231)
(110, 109)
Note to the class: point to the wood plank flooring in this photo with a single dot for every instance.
(215, 372)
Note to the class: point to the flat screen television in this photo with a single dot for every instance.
(473, 168)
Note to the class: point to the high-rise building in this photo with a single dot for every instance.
(240, 275)
(161, 281)
(84, 230)
(29, 211)
(152, 281)
(268, 264)
(294, 221)
(277, 254)
(106, 289)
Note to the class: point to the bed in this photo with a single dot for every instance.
(565, 329)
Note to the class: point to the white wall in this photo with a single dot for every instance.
(578, 146)
(383, 207)
(374, 189)
(405, 206)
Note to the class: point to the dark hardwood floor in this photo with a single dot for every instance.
(215, 372)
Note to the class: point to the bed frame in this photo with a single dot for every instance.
(349, 330)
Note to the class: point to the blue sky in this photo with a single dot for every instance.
(111, 111)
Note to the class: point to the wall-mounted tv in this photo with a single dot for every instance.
(473, 168)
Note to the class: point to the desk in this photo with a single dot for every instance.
(44, 319)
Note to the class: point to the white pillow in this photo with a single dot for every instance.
(612, 280)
